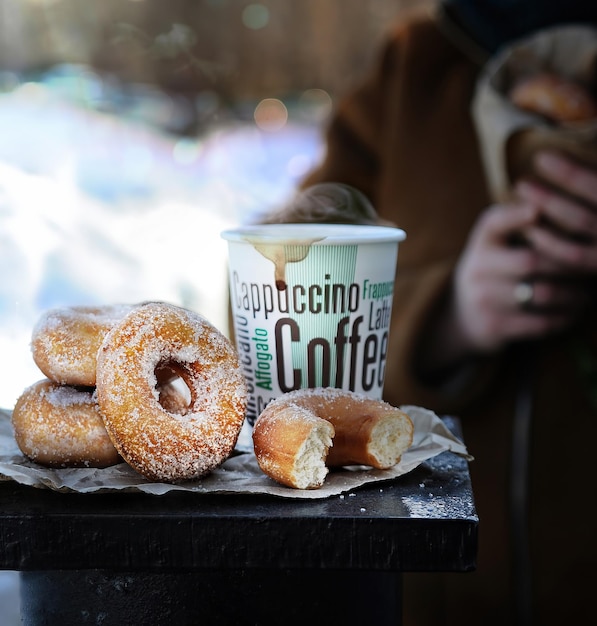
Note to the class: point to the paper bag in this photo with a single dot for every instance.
(509, 137)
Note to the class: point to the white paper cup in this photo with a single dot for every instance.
(311, 306)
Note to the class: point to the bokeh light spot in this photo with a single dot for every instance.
(271, 114)
(315, 105)
(255, 16)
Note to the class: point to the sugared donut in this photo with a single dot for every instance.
(295, 445)
(65, 341)
(163, 445)
(61, 426)
(554, 97)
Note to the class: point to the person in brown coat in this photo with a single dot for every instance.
(502, 335)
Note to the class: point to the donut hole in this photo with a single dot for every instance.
(173, 392)
(165, 373)
(180, 384)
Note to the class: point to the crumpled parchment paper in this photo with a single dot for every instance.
(239, 474)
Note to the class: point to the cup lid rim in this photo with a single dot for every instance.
(322, 234)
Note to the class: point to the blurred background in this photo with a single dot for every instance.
(237, 48)
(133, 131)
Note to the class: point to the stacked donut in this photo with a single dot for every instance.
(113, 391)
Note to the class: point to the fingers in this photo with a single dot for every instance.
(493, 326)
(568, 214)
(568, 232)
(550, 296)
(486, 309)
(493, 315)
(576, 255)
(500, 222)
(567, 175)
(539, 296)
(490, 250)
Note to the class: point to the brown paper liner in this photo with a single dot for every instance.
(510, 137)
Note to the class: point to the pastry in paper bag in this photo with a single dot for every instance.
(510, 135)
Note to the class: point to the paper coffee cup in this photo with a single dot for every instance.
(311, 306)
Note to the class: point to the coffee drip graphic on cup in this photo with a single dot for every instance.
(281, 254)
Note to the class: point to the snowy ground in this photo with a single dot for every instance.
(97, 209)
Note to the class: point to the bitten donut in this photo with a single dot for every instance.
(163, 445)
(554, 97)
(65, 341)
(61, 426)
(299, 435)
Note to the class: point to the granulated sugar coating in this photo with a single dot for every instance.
(362, 431)
(61, 426)
(161, 445)
(65, 341)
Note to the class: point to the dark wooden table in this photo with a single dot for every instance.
(122, 558)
